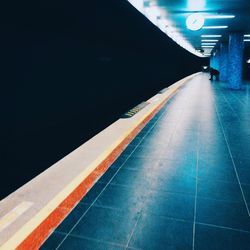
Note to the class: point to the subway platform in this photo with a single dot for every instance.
(182, 183)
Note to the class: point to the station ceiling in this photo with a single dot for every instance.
(170, 16)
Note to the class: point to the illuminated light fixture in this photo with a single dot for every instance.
(209, 40)
(219, 16)
(208, 43)
(211, 35)
(195, 21)
(246, 40)
(248, 61)
(207, 46)
(247, 35)
(215, 27)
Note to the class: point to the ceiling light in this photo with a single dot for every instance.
(246, 40)
(208, 43)
(211, 35)
(248, 61)
(209, 40)
(215, 27)
(247, 35)
(207, 46)
(219, 16)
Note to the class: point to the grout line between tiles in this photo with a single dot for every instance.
(223, 227)
(196, 189)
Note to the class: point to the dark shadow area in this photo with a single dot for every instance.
(72, 68)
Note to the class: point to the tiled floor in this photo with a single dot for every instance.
(183, 183)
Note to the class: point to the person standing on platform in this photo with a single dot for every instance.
(214, 73)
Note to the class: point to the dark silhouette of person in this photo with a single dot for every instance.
(214, 73)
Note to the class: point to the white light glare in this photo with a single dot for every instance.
(248, 35)
(209, 40)
(211, 35)
(208, 43)
(219, 16)
(246, 40)
(248, 61)
(215, 27)
(207, 46)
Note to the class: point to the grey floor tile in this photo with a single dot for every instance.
(155, 232)
(219, 190)
(72, 218)
(170, 205)
(53, 241)
(93, 193)
(107, 225)
(221, 213)
(123, 198)
(214, 238)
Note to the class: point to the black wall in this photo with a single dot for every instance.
(72, 68)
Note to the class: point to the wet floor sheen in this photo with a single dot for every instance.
(183, 183)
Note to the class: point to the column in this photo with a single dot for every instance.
(214, 60)
(223, 62)
(235, 60)
(217, 60)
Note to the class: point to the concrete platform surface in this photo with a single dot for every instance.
(28, 215)
(182, 183)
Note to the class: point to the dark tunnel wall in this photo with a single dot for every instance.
(73, 67)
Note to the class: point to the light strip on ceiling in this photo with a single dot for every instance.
(246, 40)
(219, 16)
(208, 43)
(211, 35)
(207, 46)
(215, 27)
(247, 35)
(209, 40)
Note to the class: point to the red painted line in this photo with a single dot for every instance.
(40, 234)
